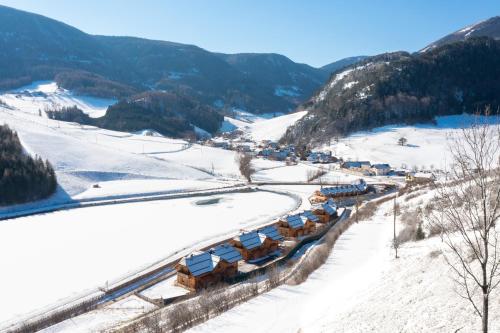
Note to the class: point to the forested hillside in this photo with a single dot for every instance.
(34, 47)
(22, 177)
(403, 88)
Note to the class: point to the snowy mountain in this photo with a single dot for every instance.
(403, 88)
(342, 63)
(34, 47)
(488, 28)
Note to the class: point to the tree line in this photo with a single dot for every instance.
(22, 177)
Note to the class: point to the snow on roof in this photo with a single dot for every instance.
(200, 263)
(227, 253)
(272, 232)
(251, 240)
(295, 221)
(310, 216)
(381, 166)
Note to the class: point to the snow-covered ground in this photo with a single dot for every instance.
(100, 319)
(362, 288)
(427, 144)
(356, 264)
(57, 255)
(263, 128)
(41, 95)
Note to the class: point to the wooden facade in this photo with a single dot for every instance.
(254, 245)
(296, 226)
(203, 269)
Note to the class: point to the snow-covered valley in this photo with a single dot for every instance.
(59, 256)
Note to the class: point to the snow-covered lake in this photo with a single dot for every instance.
(49, 257)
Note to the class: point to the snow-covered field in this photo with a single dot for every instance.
(97, 320)
(263, 128)
(41, 95)
(428, 145)
(61, 254)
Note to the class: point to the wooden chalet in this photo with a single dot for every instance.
(296, 225)
(202, 269)
(254, 245)
(272, 232)
(325, 211)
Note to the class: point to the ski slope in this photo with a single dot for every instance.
(58, 255)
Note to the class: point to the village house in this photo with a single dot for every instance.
(381, 169)
(229, 258)
(254, 245)
(356, 188)
(320, 157)
(296, 225)
(420, 177)
(362, 167)
(199, 270)
(325, 211)
(272, 232)
(204, 268)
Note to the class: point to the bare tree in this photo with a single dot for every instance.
(244, 161)
(468, 210)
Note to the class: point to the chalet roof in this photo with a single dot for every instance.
(295, 221)
(199, 263)
(381, 166)
(329, 207)
(272, 232)
(251, 240)
(310, 216)
(227, 253)
(355, 164)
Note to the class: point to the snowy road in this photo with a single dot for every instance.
(357, 261)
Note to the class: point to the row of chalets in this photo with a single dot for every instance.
(204, 268)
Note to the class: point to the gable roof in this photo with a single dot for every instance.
(295, 221)
(227, 253)
(310, 216)
(381, 166)
(251, 240)
(199, 263)
(330, 207)
(272, 232)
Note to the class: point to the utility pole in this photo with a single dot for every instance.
(357, 207)
(395, 241)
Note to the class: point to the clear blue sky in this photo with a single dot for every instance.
(313, 32)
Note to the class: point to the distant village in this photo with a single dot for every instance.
(291, 155)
